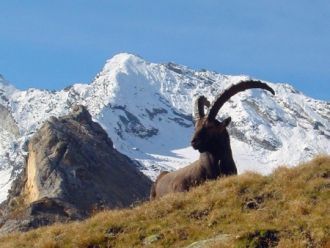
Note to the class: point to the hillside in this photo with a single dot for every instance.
(289, 208)
(146, 109)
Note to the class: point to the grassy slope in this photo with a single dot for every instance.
(289, 208)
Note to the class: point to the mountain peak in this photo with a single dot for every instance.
(123, 60)
(125, 56)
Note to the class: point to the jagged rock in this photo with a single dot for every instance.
(42, 212)
(132, 125)
(72, 169)
(218, 241)
(152, 239)
(7, 121)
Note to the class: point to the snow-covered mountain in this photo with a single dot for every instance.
(146, 110)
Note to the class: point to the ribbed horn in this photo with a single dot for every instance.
(233, 90)
(200, 102)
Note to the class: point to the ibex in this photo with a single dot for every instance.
(211, 139)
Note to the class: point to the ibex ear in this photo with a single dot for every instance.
(227, 121)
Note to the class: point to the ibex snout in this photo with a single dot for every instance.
(195, 143)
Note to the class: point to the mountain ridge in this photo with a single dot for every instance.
(146, 108)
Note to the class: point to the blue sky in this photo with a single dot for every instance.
(52, 44)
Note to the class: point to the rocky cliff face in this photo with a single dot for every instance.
(71, 170)
(7, 122)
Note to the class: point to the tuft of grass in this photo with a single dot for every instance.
(289, 208)
(256, 239)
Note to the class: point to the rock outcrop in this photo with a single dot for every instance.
(7, 121)
(72, 169)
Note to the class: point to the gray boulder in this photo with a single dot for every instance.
(72, 169)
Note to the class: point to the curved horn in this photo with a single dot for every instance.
(200, 102)
(233, 90)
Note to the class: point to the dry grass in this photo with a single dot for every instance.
(289, 208)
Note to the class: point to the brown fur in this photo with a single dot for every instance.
(210, 165)
(153, 188)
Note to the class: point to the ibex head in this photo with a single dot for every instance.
(209, 132)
